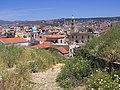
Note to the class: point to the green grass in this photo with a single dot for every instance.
(17, 64)
(37, 59)
(106, 46)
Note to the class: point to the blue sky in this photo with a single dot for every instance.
(51, 9)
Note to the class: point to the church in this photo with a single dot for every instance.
(77, 35)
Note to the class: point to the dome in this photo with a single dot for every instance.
(34, 28)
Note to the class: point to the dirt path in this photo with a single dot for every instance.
(46, 80)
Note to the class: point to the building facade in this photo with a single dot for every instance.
(76, 36)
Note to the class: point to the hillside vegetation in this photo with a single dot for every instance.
(106, 46)
(91, 67)
(17, 64)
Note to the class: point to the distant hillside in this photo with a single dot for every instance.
(99, 18)
(2, 22)
(106, 46)
(67, 20)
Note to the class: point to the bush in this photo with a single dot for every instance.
(44, 59)
(16, 79)
(103, 81)
(74, 73)
(10, 54)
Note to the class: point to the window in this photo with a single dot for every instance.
(82, 37)
(71, 51)
(72, 37)
(76, 41)
(72, 20)
(61, 41)
(40, 36)
(56, 41)
(76, 36)
(82, 41)
(88, 37)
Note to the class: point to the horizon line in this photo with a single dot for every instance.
(64, 18)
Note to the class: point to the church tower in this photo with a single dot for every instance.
(73, 26)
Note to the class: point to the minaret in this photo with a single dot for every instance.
(73, 27)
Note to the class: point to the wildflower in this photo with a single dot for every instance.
(100, 82)
(108, 86)
(101, 79)
(91, 75)
(104, 81)
(99, 89)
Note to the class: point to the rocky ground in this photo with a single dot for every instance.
(47, 80)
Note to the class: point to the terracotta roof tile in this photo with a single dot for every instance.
(43, 45)
(12, 40)
(62, 50)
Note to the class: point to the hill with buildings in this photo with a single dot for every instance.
(65, 20)
(96, 65)
(92, 67)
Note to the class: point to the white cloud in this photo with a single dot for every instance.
(19, 14)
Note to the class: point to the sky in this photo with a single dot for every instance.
(12, 10)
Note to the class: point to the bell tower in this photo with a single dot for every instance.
(73, 26)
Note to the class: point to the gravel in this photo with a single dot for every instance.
(47, 80)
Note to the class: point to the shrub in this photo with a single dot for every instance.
(103, 81)
(106, 46)
(74, 73)
(16, 79)
(11, 55)
(44, 59)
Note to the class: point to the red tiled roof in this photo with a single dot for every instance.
(43, 45)
(41, 39)
(12, 40)
(62, 50)
(54, 36)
